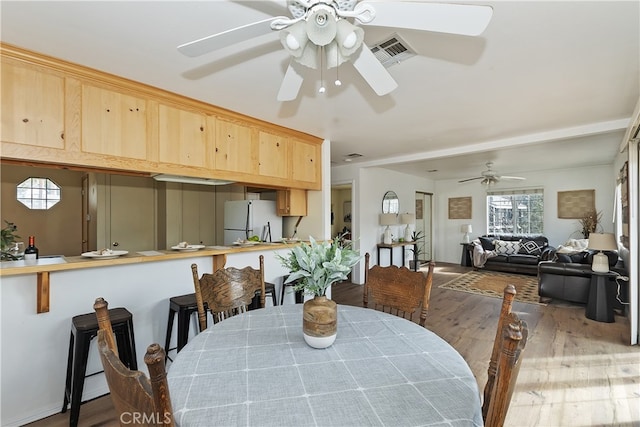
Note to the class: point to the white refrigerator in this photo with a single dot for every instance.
(246, 218)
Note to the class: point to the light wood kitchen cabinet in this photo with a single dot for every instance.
(58, 113)
(291, 202)
(273, 155)
(305, 162)
(235, 147)
(114, 123)
(32, 105)
(185, 137)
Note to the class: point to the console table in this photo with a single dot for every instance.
(390, 248)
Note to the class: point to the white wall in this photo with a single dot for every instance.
(370, 184)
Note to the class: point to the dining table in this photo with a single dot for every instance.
(255, 369)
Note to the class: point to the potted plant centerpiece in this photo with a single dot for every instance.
(314, 268)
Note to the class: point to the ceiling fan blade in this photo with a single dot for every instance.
(518, 178)
(472, 179)
(226, 38)
(374, 72)
(468, 20)
(290, 84)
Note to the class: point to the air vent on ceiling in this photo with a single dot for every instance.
(392, 51)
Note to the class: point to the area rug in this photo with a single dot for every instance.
(492, 284)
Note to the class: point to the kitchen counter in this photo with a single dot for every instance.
(62, 263)
(46, 265)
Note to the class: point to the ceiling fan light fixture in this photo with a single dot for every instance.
(294, 39)
(321, 25)
(348, 37)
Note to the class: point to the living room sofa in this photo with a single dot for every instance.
(568, 276)
(513, 253)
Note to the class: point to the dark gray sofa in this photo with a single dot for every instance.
(532, 250)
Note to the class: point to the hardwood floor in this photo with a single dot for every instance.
(575, 371)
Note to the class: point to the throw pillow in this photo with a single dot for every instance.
(530, 247)
(487, 243)
(506, 248)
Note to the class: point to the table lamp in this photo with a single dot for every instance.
(466, 229)
(407, 219)
(601, 242)
(388, 219)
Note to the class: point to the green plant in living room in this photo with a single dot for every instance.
(416, 237)
(8, 242)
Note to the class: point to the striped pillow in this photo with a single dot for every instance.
(504, 247)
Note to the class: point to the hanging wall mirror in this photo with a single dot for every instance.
(390, 203)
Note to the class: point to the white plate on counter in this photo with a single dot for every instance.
(188, 248)
(246, 243)
(110, 255)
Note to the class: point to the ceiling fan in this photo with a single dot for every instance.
(322, 34)
(490, 177)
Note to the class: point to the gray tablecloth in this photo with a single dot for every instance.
(256, 370)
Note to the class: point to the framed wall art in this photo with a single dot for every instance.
(460, 208)
(575, 204)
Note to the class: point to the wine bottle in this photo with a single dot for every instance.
(31, 252)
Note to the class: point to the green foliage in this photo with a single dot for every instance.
(315, 266)
(9, 237)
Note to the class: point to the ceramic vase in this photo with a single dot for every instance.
(320, 322)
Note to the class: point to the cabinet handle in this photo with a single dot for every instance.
(115, 244)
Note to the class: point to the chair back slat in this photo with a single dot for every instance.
(398, 288)
(509, 295)
(227, 291)
(514, 339)
(132, 393)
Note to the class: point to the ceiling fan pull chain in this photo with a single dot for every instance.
(337, 82)
(322, 88)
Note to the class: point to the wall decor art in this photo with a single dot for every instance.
(575, 204)
(460, 208)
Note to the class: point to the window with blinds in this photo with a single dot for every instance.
(515, 211)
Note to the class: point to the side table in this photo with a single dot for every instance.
(601, 297)
(465, 260)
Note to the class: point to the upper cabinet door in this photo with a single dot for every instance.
(185, 137)
(32, 106)
(236, 150)
(274, 152)
(305, 162)
(114, 123)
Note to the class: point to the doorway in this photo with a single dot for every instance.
(424, 224)
(342, 210)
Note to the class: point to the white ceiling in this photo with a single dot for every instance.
(549, 84)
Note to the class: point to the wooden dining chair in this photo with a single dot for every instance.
(398, 290)
(509, 295)
(513, 341)
(227, 291)
(137, 399)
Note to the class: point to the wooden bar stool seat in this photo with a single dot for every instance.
(84, 328)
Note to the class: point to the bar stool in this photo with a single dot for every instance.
(269, 289)
(84, 328)
(184, 306)
(299, 294)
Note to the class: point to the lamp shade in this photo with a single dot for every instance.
(466, 228)
(407, 218)
(602, 242)
(388, 219)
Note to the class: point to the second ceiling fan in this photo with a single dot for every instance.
(490, 176)
(322, 34)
